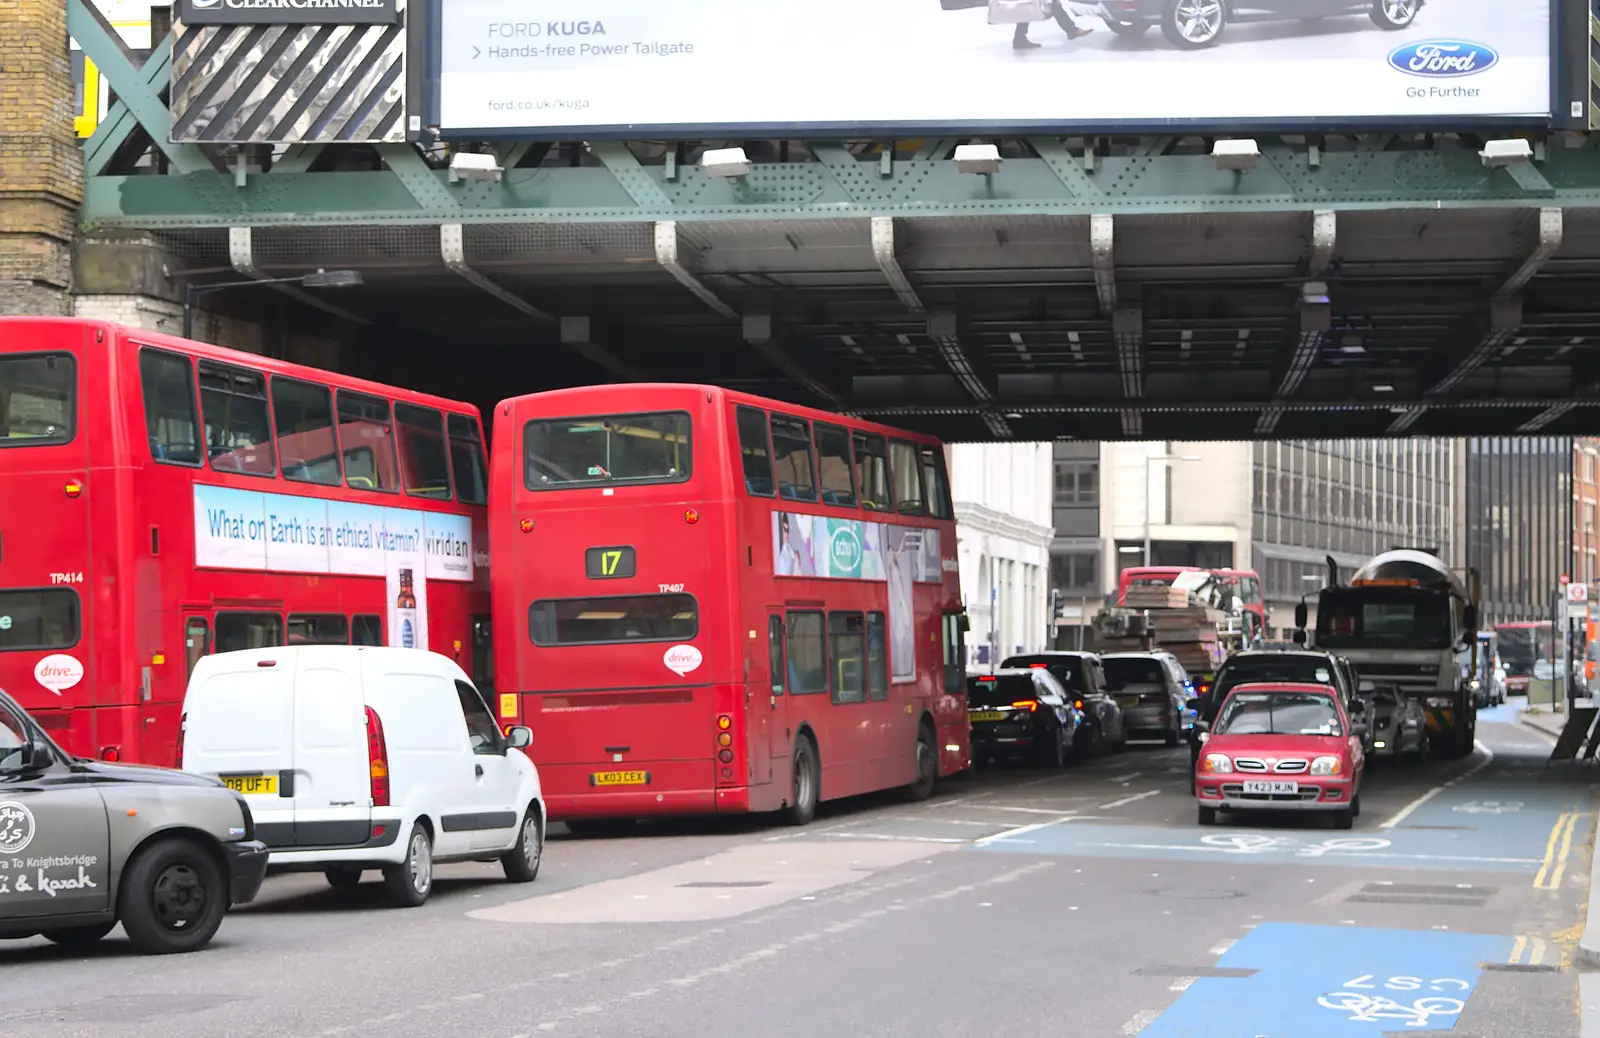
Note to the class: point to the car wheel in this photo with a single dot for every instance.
(79, 938)
(1192, 24)
(1344, 818)
(1128, 30)
(343, 878)
(521, 862)
(1394, 14)
(409, 883)
(173, 897)
(807, 778)
(1208, 815)
(1173, 738)
(1355, 805)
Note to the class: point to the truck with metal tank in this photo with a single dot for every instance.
(1407, 620)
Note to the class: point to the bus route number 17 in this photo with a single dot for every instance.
(609, 563)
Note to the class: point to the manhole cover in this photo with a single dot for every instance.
(1197, 893)
(730, 883)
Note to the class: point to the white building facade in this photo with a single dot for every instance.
(1002, 495)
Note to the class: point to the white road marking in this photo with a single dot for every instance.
(1129, 777)
(1406, 812)
(1140, 1021)
(1030, 810)
(890, 836)
(1221, 947)
(1020, 830)
(1129, 800)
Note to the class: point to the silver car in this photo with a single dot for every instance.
(1399, 724)
(1152, 689)
(85, 845)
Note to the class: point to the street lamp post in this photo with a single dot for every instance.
(1148, 458)
(316, 279)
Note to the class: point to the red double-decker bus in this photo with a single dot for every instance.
(712, 602)
(165, 499)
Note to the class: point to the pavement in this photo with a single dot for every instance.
(1016, 902)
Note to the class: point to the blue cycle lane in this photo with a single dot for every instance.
(1517, 826)
(1290, 980)
(1287, 980)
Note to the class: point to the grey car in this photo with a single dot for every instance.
(1150, 686)
(85, 845)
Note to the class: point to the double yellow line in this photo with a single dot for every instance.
(1557, 850)
(1527, 951)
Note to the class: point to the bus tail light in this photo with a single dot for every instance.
(725, 746)
(726, 756)
(377, 760)
(112, 754)
(183, 723)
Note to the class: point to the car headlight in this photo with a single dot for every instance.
(1326, 766)
(1441, 702)
(1218, 763)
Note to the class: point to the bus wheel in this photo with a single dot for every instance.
(807, 778)
(927, 765)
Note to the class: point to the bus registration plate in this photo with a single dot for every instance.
(985, 715)
(620, 778)
(252, 785)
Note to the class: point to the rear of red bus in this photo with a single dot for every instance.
(1148, 576)
(59, 548)
(610, 527)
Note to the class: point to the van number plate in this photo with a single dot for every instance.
(620, 778)
(252, 785)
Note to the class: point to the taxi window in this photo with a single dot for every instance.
(13, 737)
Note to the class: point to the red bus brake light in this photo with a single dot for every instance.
(377, 760)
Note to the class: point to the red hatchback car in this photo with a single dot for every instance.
(1281, 746)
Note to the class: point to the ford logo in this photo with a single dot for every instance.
(1443, 59)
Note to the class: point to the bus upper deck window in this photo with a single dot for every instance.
(366, 437)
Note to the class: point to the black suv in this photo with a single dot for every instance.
(1192, 24)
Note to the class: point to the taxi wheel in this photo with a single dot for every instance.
(409, 883)
(521, 863)
(79, 937)
(173, 897)
(1208, 815)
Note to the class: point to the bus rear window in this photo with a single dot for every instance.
(607, 450)
(44, 618)
(38, 399)
(624, 618)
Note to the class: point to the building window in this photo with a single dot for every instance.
(1077, 482)
(1075, 571)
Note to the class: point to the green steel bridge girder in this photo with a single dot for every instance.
(1058, 182)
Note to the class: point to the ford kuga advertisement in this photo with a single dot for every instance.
(622, 67)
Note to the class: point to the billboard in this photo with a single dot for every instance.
(624, 67)
(285, 533)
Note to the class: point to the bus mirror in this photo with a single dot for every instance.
(1299, 637)
(965, 623)
(1470, 619)
(1300, 615)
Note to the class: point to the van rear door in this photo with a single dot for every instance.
(239, 727)
(332, 782)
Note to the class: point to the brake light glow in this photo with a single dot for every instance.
(1078, 703)
(1025, 704)
(1036, 666)
(377, 760)
(110, 753)
(73, 488)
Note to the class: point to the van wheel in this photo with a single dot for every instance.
(927, 766)
(173, 898)
(410, 882)
(521, 862)
(806, 782)
(343, 878)
(79, 938)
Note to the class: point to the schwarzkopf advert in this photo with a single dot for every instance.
(289, 12)
(622, 66)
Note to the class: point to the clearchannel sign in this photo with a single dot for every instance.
(624, 68)
(289, 12)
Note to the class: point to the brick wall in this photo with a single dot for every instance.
(163, 315)
(41, 165)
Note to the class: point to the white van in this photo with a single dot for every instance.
(355, 758)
